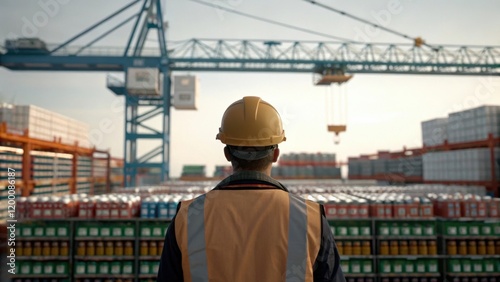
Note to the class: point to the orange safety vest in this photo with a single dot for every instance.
(248, 235)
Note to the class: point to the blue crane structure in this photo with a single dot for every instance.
(228, 55)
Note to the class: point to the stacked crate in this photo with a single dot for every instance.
(472, 164)
(47, 167)
(435, 131)
(307, 166)
(99, 171)
(83, 171)
(474, 124)
(196, 171)
(464, 126)
(44, 124)
(223, 171)
(9, 158)
(462, 165)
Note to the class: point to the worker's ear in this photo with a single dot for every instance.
(227, 154)
(276, 154)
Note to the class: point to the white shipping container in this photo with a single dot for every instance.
(143, 81)
(185, 92)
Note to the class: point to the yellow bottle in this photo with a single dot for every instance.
(481, 247)
(90, 249)
(451, 247)
(109, 251)
(384, 248)
(81, 249)
(129, 249)
(144, 248)
(413, 248)
(462, 248)
(160, 248)
(348, 248)
(54, 250)
(64, 249)
(422, 248)
(27, 249)
(340, 247)
(118, 248)
(356, 248)
(366, 248)
(432, 248)
(37, 249)
(152, 248)
(99, 248)
(19, 249)
(394, 249)
(403, 248)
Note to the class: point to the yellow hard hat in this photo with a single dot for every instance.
(251, 122)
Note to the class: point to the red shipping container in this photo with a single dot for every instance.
(412, 209)
(36, 208)
(468, 208)
(377, 210)
(91, 208)
(399, 210)
(352, 209)
(341, 210)
(426, 210)
(102, 209)
(331, 210)
(114, 209)
(388, 210)
(21, 208)
(47, 208)
(363, 210)
(449, 208)
(59, 210)
(126, 209)
(82, 208)
(493, 207)
(481, 209)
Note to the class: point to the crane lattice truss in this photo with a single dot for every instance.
(230, 55)
(273, 56)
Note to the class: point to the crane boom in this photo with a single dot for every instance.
(280, 56)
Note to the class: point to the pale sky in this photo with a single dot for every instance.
(384, 112)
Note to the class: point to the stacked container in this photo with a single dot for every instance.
(474, 124)
(307, 166)
(469, 164)
(44, 124)
(193, 171)
(223, 171)
(435, 131)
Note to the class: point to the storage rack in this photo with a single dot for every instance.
(8, 159)
(415, 261)
(361, 263)
(492, 186)
(53, 173)
(391, 167)
(142, 266)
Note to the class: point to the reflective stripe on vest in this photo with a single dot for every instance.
(297, 240)
(297, 256)
(196, 240)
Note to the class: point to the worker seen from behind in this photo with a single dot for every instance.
(249, 228)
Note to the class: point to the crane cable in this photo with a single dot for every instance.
(273, 21)
(418, 41)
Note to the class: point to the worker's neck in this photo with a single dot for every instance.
(266, 171)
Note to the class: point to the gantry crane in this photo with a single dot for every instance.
(344, 58)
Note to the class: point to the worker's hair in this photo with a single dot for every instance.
(257, 165)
